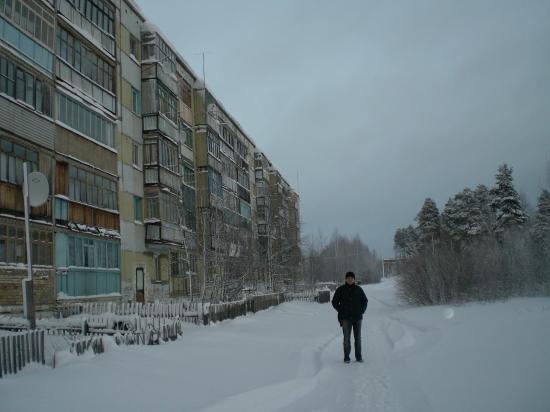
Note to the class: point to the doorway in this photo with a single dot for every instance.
(140, 285)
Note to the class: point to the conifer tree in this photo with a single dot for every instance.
(506, 201)
(541, 221)
(462, 217)
(429, 225)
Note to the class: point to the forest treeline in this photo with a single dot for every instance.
(483, 245)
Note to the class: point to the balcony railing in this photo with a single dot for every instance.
(164, 232)
(162, 176)
(154, 122)
(71, 76)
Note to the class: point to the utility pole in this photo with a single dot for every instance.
(35, 193)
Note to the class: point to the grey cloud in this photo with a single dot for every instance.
(383, 103)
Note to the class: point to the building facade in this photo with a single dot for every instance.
(154, 188)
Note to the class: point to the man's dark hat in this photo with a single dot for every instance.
(350, 275)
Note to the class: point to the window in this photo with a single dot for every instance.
(243, 178)
(164, 207)
(215, 183)
(185, 92)
(135, 155)
(137, 209)
(188, 176)
(168, 104)
(35, 21)
(61, 210)
(136, 101)
(42, 247)
(180, 265)
(134, 47)
(84, 60)
(188, 140)
(245, 210)
(150, 153)
(92, 189)
(156, 265)
(84, 120)
(7, 77)
(213, 145)
(168, 156)
(22, 85)
(12, 157)
(13, 248)
(98, 12)
(93, 253)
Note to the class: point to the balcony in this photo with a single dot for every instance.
(157, 122)
(158, 175)
(97, 36)
(229, 183)
(156, 71)
(163, 232)
(74, 78)
(186, 113)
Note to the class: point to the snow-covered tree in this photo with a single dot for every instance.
(506, 201)
(484, 198)
(541, 221)
(429, 224)
(405, 241)
(462, 217)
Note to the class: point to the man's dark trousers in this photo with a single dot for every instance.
(347, 326)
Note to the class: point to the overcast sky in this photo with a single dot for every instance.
(377, 104)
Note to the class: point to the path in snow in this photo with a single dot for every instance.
(289, 358)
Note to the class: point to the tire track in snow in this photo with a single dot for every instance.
(278, 396)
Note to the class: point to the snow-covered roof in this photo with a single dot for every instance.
(153, 28)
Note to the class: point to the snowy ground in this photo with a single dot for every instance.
(492, 357)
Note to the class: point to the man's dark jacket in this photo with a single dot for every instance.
(350, 301)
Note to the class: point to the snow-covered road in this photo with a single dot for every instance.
(480, 357)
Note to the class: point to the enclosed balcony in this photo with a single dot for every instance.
(161, 164)
(164, 215)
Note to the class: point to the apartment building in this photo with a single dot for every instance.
(27, 134)
(278, 223)
(169, 194)
(284, 226)
(135, 262)
(154, 189)
(225, 227)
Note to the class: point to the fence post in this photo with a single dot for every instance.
(27, 349)
(33, 353)
(1, 356)
(42, 347)
(5, 354)
(13, 355)
(22, 350)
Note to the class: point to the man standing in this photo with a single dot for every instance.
(350, 302)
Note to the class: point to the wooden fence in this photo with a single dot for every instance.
(263, 302)
(308, 296)
(226, 310)
(179, 309)
(20, 348)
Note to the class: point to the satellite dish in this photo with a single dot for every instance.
(39, 189)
